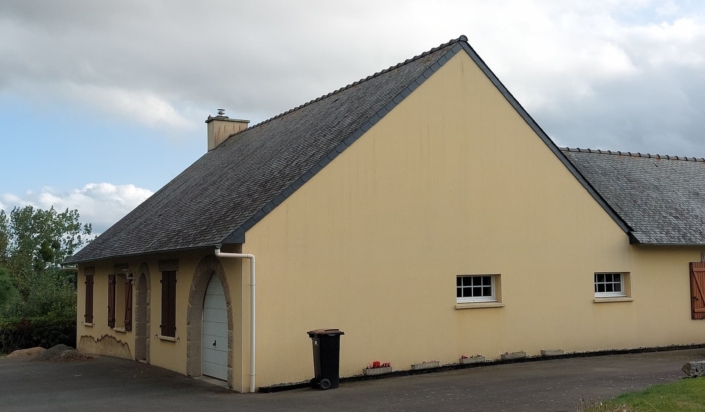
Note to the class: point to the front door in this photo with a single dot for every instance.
(215, 331)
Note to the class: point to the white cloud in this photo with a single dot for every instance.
(664, 44)
(101, 204)
(144, 106)
(13, 200)
(668, 8)
(583, 69)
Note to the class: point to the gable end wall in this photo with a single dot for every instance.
(452, 181)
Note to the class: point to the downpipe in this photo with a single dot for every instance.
(218, 253)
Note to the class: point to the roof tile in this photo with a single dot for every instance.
(660, 197)
(220, 193)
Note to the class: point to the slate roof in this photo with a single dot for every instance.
(660, 197)
(230, 188)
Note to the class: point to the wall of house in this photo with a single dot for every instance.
(171, 354)
(452, 182)
(98, 337)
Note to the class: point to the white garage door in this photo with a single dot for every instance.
(215, 331)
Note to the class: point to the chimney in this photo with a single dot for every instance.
(221, 126)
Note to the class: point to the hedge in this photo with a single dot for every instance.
(44, 331)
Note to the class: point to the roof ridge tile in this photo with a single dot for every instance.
(630, 154)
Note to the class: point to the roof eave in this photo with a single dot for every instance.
(670, 244)
(634, 241)
(71, 261)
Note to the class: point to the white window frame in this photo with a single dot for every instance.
(621, 294)
(477, 299)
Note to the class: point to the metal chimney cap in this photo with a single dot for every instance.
(223, 118)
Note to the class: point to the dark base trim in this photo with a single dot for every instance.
(456, 366)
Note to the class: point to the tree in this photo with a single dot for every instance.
(7, 289)
(34, 242)
(4, 237)
(37, 297)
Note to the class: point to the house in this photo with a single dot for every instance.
(422, 211)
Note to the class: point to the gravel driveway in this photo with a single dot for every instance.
(112, 384)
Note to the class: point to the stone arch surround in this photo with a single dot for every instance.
(208, 266)
(142, 311)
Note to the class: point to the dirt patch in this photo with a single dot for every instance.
(26, 354)
(61, 353)
(72, 356)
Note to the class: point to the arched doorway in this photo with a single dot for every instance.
(142, 312)
(208, 268)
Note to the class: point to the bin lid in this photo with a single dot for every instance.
(328, 332)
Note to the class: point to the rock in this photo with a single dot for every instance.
(62, 353)
(73, 355)
(513, 355)
(30, 353)
(694, 369)
(53, 353)
(551, 352)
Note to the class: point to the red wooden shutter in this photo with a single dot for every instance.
(697, 290)
(89, 299)
(111, 301)
(168, 325)
(128, 305)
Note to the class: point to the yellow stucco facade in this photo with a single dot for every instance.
(451, 182)
(167, 352)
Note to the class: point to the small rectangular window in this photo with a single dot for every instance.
(476, 288)
(609, 285)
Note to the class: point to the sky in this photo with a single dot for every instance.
(103, 102)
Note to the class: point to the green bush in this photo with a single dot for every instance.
(52, 294)
(44, 331)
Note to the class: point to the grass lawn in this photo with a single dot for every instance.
(684, 395)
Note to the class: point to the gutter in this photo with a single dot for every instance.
(218, 253)
(72, 260)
